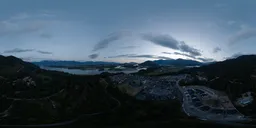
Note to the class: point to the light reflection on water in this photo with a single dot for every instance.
(89, 71)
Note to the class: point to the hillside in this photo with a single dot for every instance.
(30, 95)
(233, 76)
(149, 64)
(178, 62)
(11, 65)
(241, 67)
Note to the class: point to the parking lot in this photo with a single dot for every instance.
(205, 104)
(199, 101)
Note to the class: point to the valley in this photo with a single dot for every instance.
(31, 96)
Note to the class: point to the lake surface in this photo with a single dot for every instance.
(89, 72)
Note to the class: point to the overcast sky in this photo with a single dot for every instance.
(127, 30)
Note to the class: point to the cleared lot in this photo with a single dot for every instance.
(209, 104)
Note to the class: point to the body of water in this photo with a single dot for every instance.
(89, 71)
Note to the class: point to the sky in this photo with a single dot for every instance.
(127, 30)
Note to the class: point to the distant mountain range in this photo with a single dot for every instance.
(171, 62)
(149, 64)
(72, 63)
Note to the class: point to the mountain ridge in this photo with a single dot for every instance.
(172, 62)
(72, 63)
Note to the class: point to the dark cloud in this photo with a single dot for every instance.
(160, 57)
(205, 59)
(150, 56)
(186, 48)
(46, 35)
(158, 39)
(110, 39)
(167, 53)
(140, 56)
(18, 50)
(190, 56)
(44, 52)
(162, 40)
(216, 50)
(169, 42)
(129, 47)
(120, 56)
(183, 54)
(93, 56)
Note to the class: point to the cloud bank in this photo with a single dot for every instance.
(162, 40)
(169, 42)
(129, 47)
(93, 56)
(18, 50)
(182, 54)
(190, 56)
(44, 52)
(205, 59)
(139, 56)
(158, 39)
(188, 49)
(108, 40)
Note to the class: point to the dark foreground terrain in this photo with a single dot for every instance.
(30, 96)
